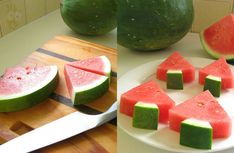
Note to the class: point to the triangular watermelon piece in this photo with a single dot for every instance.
(84, 86)
(218, 39)
(176, 62)
(202, 107)
(148, 92)
(99, 64)
(218, 68)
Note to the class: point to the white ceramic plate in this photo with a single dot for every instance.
(164, 138)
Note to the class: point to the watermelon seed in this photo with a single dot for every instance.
(200, 104)
(18, 78)
(28, 73)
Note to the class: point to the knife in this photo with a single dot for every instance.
(58, 130)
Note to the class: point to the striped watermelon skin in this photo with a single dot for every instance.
(219, 68)
(176, 62)
(202, 107)
(149, 92)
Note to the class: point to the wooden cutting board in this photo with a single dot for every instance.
(58, 51)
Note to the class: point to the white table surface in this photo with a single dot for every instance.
(189, 46)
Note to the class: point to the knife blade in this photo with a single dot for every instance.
(58, 130)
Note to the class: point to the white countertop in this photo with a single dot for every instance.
(189, 46)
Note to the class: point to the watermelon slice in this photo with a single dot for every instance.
(148, 92)
(23, 87)
(219, 68)
(218, 39)
(202, 107)
(100, 65)
(176, 62)
(84, 86)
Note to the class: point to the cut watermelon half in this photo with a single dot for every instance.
(84, 86)
(23, 87)
(100, 65)
(176, 62)
(219, 68)
(202, 107)
(148, 92)
(218, 39)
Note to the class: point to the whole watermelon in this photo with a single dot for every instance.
(153, 24)
(89, 17)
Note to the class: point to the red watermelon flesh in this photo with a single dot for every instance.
(176, 62)
(147, 92)
(77, 78)
(219, 68)
(219, 38)
(20, 79)
(100, 65)
(202, 107)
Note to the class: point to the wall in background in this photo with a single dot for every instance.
(209, 11)
(16, 13)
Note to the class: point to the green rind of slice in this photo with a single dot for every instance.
(25, 101)
(145, 116)
(91, 93)
(213, 84)
(175, 79)
(196, 134)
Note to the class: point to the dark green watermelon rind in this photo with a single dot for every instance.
(212, 52)
(142, 27)
(85, 23)
(29, 100)
(91, 93)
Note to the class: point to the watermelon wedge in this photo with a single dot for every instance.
(84, 86)
(219, 68)
(100, 65)
(218, 39)
(202, 107)
(176, 62)
(148, 92)
(23, 87)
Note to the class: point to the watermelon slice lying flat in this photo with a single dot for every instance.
(100, 65)
(84, 86)
(202, 107)
(176, 62)
(218, 39)
(219, 68)
(21, 87)
(148, 92)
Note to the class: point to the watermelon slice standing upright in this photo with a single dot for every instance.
(218, 39)
(99, 64)
(84, 86)
(148, 92)
(23, 87)
(218, 68)
(176, 62)
(202, 107)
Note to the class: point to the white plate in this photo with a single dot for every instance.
(164, 138)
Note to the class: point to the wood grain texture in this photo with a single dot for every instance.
(59, 51)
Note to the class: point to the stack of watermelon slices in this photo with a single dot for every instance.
(23, 87)
(87, 79)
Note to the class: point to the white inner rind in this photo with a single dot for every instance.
(215, 78)
(146, 105)
(197, 123)
(48, 79)
(174, 72)
(106, 61)
(88, 86)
